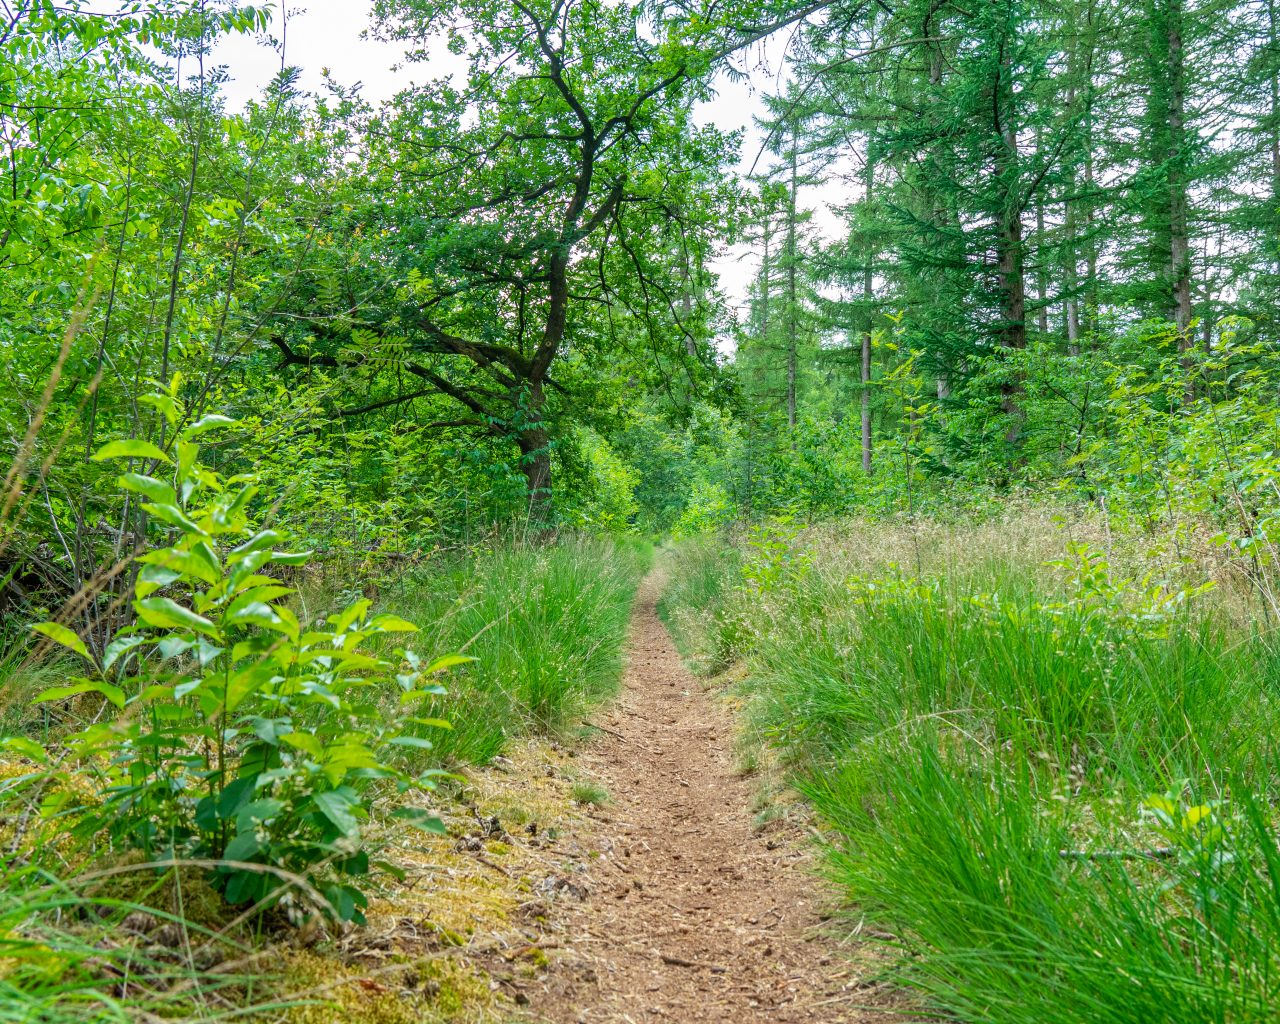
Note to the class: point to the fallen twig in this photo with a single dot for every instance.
(593, 725)
(490, 864)
(679, 961)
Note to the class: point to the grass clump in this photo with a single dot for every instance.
(546, 627)
(71, 952)
(1052, 781)
(591, 794)
(703, 624)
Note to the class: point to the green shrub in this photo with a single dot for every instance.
(242, 738)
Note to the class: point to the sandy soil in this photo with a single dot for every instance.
(686, 912)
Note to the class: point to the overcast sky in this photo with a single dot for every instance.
(327, 34)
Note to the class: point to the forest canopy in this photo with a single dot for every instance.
(493, 296)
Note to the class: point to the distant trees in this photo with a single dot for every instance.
(1028, 178)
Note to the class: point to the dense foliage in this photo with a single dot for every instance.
(1056, 268)
(289, 378)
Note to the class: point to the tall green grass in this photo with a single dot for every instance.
(71, 953)
(1056, 791)
(693, 606)
(545, 625)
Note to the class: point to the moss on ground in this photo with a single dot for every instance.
(452, 942)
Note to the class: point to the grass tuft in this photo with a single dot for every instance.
(546, 627)
(591, 794)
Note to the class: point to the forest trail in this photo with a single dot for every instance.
(692, 915)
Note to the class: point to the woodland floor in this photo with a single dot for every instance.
(692, 913)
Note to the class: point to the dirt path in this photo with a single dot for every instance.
(691, 914)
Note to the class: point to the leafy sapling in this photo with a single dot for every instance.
(243, 737)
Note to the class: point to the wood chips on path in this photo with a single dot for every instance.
(690, 913)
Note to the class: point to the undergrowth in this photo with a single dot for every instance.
(1049, 774)
(176, 792)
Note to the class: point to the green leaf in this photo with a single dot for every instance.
(119, 647)
(245, 682)
(173, 646)
(268, 592)
(268, 729)
(346, 902)
(207, 652)
(433, 723)
(112, 693)
(260, 540)
(208, 422)
(350, 614)
(256, 812)
(204, 563)
(394, 870)
(345, 756)
(417, 817)
(305, 742)
(133, 448)
(412, 741)
(340, 808)
(447, 662)
(422, 693)
(392, 624)
(27, 748)
(252, 613)
(154, 692)
(168, 407)
(149, 487)
(59, 633)
(243, 847)
(152, 578)
(174, 516)
(245, 886)
(163, 613)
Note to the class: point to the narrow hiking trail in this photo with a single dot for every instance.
(692, 914)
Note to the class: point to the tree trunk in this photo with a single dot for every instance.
(534, 442)
(1009, 243)
(1091, 244)
(1072, 305)
(1179, 243)
(1273, 47)
(1013, 333)
(792, 324)
(868, 295)
(1071, 308)
(1042, 271)
(686, 310)
(766, 285)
